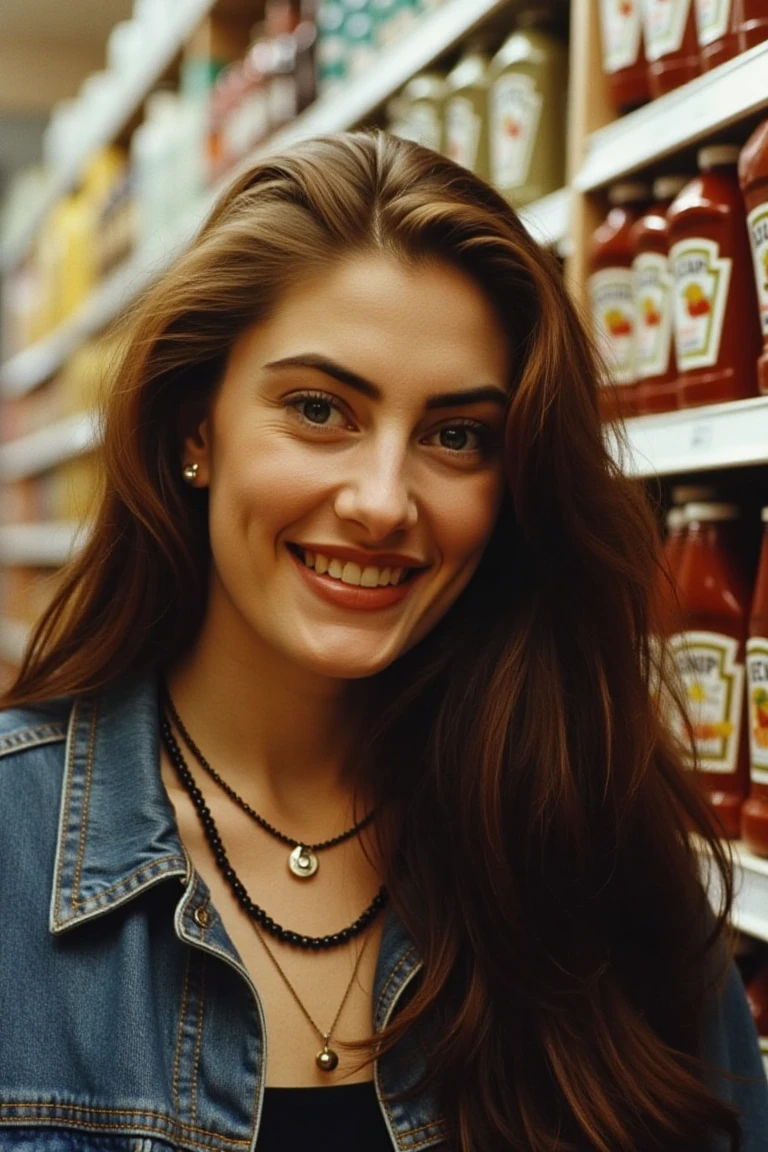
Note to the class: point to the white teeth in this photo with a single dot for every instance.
(351, 573)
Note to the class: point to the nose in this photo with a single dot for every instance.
(376, 493)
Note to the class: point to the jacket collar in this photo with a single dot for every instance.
(117, 831)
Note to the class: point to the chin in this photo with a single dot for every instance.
(345, 664)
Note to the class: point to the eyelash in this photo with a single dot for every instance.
(484, 435)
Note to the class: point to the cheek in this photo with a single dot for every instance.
(465, 522)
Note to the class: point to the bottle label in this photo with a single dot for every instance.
(462, 131)
(620, 29)
(757, 679)
(424, 126)
(713, 685)
(757, 222)
(712, 19)
(664, 25)
(515, 110)
(764, 1052)
(613, 315)
(702, 278)
(652, 288)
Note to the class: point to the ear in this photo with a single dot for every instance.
(196, 449)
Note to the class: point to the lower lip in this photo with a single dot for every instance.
(350, 595)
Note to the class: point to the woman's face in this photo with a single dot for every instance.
(353, 452)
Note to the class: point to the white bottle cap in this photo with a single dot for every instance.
(692, 494)
(764, 515)
(675, 519)
(709, 512)
(667, 187)
(628, 192)
(717, 155)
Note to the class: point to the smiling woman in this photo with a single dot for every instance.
(358, 651)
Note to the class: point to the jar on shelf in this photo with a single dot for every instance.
(755, 811)
(709, 654)
(671, 46)
(425, 95)
(611, 296)
(717, 335)
(753, 177)
(527, 103)
(624, 63)
(655, 364)
(725, 28)
(466, 110)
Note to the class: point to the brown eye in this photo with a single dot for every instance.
(456, 439)
(316, 411)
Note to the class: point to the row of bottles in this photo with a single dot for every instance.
(650, 47)
(499, 113)
(679, 284)
(715, 616)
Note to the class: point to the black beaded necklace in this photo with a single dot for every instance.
(256, 913)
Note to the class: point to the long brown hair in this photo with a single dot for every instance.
(537, 847)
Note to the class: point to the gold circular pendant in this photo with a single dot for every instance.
(303, 862)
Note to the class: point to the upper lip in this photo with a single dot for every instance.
(374, 559)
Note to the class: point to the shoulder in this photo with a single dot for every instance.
(731, 1050)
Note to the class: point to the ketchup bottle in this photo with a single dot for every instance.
(755, 811)
(727, 27)
(671, 46)
(753, 177)
(655, 364)
(709, 654)
(669, 596)
(624, 62)
(717, 336)
(611, 298)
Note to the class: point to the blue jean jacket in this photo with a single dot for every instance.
(127, 1020)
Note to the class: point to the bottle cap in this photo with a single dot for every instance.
(667, 187)
(717, 156)
(628, 192)
(710, 512)
(675, 519)
(692, 494)
(764, 515)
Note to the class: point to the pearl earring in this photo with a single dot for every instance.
(189, 472)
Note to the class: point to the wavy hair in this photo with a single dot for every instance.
(536, 837)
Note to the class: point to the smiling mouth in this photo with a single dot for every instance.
(350, 573)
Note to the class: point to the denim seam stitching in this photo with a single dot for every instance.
(167, 1121)
(198, 1037)
(391, 977)
(66, 799)
(180, 1033)
(86, 804)
(423, 1128)
(41, 734)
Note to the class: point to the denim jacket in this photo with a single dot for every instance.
(127, 1020)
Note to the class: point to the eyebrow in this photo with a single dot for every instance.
(484, 394)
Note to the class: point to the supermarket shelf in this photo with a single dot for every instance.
(694, 439)
(706, 105)
(125, 99)
(548, 220)
(14, 636)
(49, 446)
(750, 902)
(50, 543)
(35, 364)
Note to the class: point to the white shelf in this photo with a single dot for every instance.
(45, 543)
(549, 220)
(49, 446)
(750, 901)
(707, 105)
(694, 439)
(124, 100)
(14, 636)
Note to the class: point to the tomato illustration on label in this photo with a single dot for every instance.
(651, 314)
(760, 717)
(696, 302)
(617, 323)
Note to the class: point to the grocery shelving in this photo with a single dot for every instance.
(125, 96)
(40, 544)
(694, 439)
(707, 105)
(48, 446)
(750, 904)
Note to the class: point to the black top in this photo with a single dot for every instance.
(342, 1118)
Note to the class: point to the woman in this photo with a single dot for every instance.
(356, 656)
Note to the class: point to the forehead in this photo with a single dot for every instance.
(385, 319)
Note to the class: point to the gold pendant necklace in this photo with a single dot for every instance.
(327, 1059)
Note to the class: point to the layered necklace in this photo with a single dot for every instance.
(326, 1059)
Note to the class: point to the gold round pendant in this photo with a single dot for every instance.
(303, 862)
(327, 1060)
